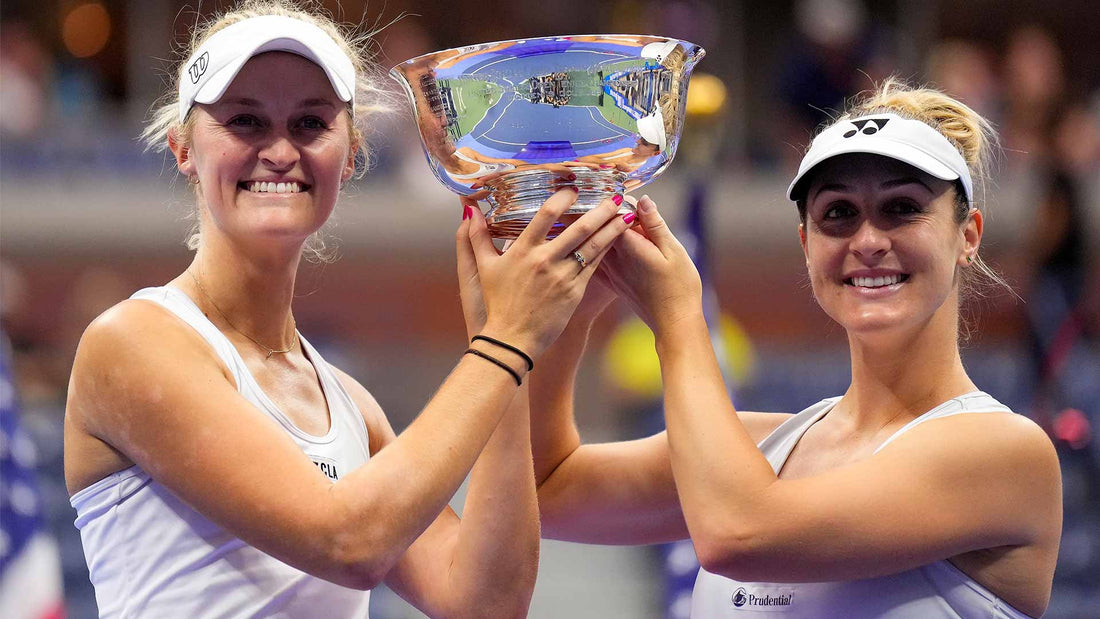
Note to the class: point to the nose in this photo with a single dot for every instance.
(869, 240)
(280, 153)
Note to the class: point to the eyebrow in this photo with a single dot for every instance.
(890, 184)
(249, 102)
(906, 180)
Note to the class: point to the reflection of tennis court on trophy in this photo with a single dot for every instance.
(510, 128)
(512, 125)
(472, 99)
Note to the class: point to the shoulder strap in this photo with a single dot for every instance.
(973, 402)
(175, 301)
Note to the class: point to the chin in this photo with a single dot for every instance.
(872, 323)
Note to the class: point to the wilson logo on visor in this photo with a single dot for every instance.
(198, 67)
(864, 126)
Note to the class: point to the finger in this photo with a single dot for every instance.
(547, 216)
(590, 271)
(596, 246)
(481, 242)
(585, 226)
(464, 250)
(654, 225)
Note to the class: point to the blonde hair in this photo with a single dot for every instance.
(968, 131)
(371, 99)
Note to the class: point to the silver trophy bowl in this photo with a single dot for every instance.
(514, 121)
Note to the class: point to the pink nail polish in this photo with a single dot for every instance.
(606, 166)
(617, 199)
(629, 218)
(571, 177)
(465, 213)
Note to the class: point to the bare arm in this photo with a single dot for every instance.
(947, 487)
(485, 563)
(609, 493)
(172, 411)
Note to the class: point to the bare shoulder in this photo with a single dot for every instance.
(129, 345)
(991, 453)
(1011, 438)
(122, 357)
(379, 431)
(760, 425)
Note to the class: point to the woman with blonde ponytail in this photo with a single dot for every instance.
(911, 495)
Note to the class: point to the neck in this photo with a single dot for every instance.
(899, 377)
(252, 293)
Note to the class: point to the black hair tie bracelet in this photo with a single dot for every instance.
(526, 357)
(504, 366)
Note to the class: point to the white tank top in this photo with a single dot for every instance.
(151, 555)
(933, 591)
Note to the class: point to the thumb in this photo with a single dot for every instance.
(654, 225)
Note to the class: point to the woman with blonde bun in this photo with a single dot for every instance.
(911, 495)
(219, 467)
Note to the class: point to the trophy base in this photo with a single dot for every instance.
(516, 197)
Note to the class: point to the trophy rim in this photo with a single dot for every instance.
(697, 51)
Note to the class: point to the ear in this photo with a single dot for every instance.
(349, 165)
(802, 241)
(183, 153)
(971, 236)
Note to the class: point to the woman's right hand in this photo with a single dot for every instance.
(531, 290)
(654, 273)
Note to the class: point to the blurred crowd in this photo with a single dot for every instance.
(77, 78)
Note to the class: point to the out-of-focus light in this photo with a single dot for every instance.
(706, 95)
(1072, 426)
(86, 29)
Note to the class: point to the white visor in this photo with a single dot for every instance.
(889, 135)
(652, 129)
(658, 51)
(210, 70)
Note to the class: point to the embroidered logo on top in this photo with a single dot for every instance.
(865, 127)
(198, 67)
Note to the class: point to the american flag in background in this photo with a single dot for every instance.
(30, 571)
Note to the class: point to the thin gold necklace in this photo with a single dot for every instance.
(270, 351)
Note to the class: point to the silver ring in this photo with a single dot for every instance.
(579, 258)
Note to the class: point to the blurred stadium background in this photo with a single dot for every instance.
(87, 218)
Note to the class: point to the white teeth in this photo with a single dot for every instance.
(876, 282)
(271, 187)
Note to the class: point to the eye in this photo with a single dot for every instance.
(903, 206)
(243, 121)
(838, 210)
(313, 123)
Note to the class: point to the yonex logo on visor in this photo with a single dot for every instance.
(213, 66)
(866, 127)
(889, 135)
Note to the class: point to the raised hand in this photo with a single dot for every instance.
(653, 272)
(531, 290)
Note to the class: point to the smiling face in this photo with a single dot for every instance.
(271, 154)
(883, 244)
